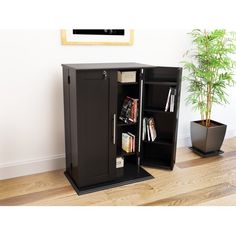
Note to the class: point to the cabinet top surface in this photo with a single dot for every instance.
(94, 66)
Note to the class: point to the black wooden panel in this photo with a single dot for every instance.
(165, 74)
(155, 96)
(107, 66)
(93, 127)
(73, 124)
(177, 104)
(112, 78)
(66, 92)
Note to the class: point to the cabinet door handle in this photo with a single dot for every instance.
(114, 129)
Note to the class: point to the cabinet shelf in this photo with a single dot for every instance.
(125, 154)
(128, 83)
(156, 110)
(161, 83)
(130, 173)
(159, 141)
(122, 124)
(150, 162)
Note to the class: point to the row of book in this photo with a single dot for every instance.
(170, 102)
(128, 142)
(149, 129)
(129, 110)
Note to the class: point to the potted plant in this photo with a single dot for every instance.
(210, 72)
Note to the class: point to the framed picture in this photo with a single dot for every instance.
(97, 37)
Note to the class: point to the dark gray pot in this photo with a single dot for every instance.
(207, 139)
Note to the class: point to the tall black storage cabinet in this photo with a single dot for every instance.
(92, 102)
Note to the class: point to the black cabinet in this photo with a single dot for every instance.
(92, 103)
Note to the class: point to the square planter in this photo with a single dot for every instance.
(207, 139)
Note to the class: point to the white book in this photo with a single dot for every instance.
(168, 100)
(148, 130)
(172, 102)
(125, 142)
(172, 99)
(152, 128)
(144, 129)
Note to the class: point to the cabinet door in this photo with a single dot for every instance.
(96, 151)
(158, 82)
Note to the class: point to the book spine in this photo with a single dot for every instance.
(168, 100)
(152, 129)
(144, 129)
(172, 100)
(148, 131)
(130, 144)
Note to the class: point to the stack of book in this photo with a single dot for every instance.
(149, 129)
(129, 110)
(126, 76)
(128, 142)
(170, 102)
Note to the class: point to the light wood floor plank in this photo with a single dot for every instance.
(33, 183)
(194, 181)
(197, 196)
(202, 161)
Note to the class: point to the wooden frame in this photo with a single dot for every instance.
(66, 41)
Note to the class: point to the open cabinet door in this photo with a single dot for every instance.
(161, 95)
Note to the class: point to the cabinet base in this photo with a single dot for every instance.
(132, 174)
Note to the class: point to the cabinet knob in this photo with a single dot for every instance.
(104, 75)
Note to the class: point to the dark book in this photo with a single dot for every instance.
(129, 110)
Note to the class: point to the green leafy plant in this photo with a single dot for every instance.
(211, 70)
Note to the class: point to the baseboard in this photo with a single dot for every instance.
(28, 167)
(55, 162)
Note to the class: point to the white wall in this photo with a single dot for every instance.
(31, 96)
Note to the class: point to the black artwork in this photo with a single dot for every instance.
(115, 32)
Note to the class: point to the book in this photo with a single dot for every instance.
(126, 76)
(132, 142)
(153, 133)
(129, 110)
(144, 129)
(126, 110)
(148, 131)
(172, 99)
(135, 115)
(128, 142)
(125, 142)
(168, 100)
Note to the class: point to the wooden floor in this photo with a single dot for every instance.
(194, 181)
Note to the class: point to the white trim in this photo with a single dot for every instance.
(55, 162)
(32, 166)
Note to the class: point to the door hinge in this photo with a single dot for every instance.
(68, 79)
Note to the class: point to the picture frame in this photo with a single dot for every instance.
(114, 37)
